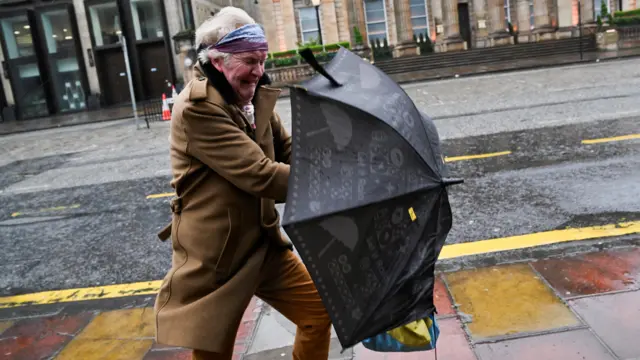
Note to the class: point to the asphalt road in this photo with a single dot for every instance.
(75, 211)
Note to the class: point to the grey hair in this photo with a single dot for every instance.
(218, 26)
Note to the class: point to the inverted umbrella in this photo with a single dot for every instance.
(367, 206)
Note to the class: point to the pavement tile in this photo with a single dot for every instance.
(4, 325)
(107, 349)
(615, 318)
(285, 352)
(40, 338)
(176, 354)
(441, 298)
(593, 273)
(570, 345)
(114, 335)
(452, 345)
(121, 324)
(505, 300)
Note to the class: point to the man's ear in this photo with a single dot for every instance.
(217, 63)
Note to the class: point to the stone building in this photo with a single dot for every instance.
(450, 24)
(66, 56)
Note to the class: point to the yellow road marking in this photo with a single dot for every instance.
(611, 139)
(538, 239)
(156, 196)
(448, 252)
(90, 293)
(473, 157)
(56, 208)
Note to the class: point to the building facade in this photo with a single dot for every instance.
(449, 24)
(66, 56)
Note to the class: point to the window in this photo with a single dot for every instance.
(105, 22)
(57, 31)
(597, 6)
(532, 17)
(507, 13)
(17, 36)
(147, 19)
(375, 16)
(66, 75)
(419, 17)
(309, 28)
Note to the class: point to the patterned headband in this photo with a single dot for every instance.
(249, 37)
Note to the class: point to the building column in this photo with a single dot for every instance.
(267, 19)
(481, 19)
(524, 25)
(542, 20)
(328, 21)
(497, 29)
(289, 26)
(452, 39)
(85, 42)
(405, 46)
(436, 15)
(342, 18)
(587, 11)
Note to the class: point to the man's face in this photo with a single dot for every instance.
(243, 71)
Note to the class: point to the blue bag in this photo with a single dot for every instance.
(420, 335)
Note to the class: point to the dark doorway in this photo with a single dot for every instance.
(43, 60)
(465, 25)
(113, 76)
(154, 69)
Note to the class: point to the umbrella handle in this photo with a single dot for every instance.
(307, 55)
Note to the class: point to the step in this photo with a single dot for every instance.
(529, 48)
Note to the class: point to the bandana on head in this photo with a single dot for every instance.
(249, 37)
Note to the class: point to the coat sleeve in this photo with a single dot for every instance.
(216, 140)
(282, 140)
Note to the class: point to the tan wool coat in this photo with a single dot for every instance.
(224, 214)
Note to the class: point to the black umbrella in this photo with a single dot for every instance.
(367, 206)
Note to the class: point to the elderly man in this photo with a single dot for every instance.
(230, 159)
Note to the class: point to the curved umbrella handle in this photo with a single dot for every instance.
(307, 55)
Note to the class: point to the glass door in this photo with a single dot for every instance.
(64, 63)
(24, 71)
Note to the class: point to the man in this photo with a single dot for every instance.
(230, 159)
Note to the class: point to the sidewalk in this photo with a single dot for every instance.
(583, 307)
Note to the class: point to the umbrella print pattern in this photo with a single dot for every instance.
(366, 207)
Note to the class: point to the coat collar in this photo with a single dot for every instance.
(264, 99)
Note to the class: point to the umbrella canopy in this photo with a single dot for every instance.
(367, 206)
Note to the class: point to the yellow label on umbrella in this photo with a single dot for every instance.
(412, 214)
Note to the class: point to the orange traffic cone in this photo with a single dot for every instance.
(166, 113)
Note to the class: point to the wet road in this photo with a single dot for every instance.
(75, 211)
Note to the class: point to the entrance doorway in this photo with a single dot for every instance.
(154, 69)
(42, 54)
(113, 76)
(465, 25)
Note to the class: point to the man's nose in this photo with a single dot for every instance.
(258, 70)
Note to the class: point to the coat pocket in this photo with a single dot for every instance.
(228, 252)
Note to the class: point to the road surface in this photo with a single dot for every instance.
(77, 212)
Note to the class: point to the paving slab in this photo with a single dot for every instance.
(615, 318)
(569, 345)
(593, 273)
(507, 300)
(441, 299)
(40, 338)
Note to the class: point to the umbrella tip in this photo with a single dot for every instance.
(308, 56)
(449, 182)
